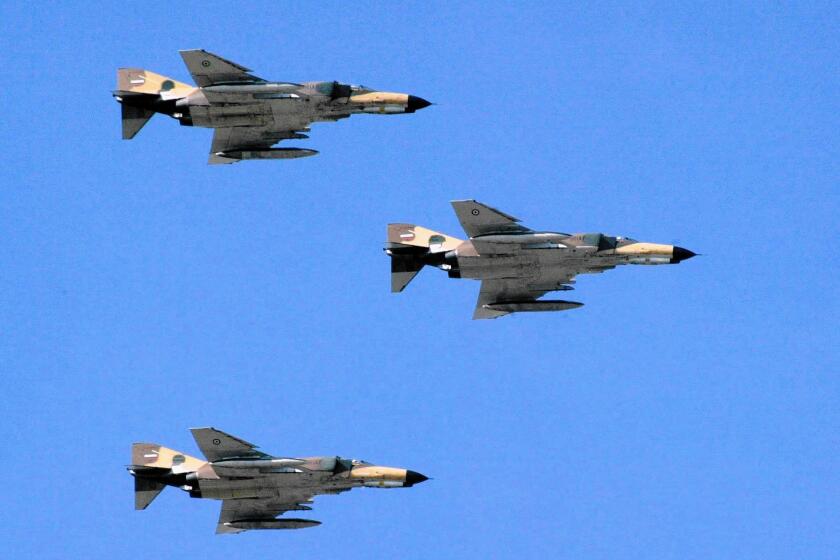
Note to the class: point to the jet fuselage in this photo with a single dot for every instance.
(263, 478)
(263, 103)
(249, 114)
(538, 254)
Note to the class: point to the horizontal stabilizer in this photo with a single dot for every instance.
(133, 119)
(403, 270)
(145, 491)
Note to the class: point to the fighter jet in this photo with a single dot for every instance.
(254, 487)
(248, 114)
(516, 265)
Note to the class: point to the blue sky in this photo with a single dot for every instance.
(684, 412)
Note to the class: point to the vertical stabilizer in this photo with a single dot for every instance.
(417, 236)
(154, 465)
(152, 455)
(411, 247)
(142, 93)
(137, 80)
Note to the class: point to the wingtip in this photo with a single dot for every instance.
(217, 159)
(485, 312)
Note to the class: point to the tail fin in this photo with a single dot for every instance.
(137, 80)
(409, 247)
(151, 465)
(138, 91)
(152, 455)
(417, 236)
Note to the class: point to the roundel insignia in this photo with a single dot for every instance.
(476, 212)
(167, 85)
(205, 63)
(217, 441)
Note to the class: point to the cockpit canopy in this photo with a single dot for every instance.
(599, 240)
(338, 464)
(336, 90)
(621, 241)
(604, 242)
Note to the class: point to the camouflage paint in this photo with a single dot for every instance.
(249, 114)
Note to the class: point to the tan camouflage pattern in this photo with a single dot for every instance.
(381, 97)
(418, 236)
(255, 487)
(250, 113)
(376, 473)
(137, 80)
(515, 264)
(160, 457)
(645, 249)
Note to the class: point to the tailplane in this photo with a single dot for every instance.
(154, 467)
(411, 247)
(142, 93)
(133, 119)
(145, 491)
(404, 267)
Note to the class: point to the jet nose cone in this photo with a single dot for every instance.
(415, 103)
(681, 254)
(414, 477)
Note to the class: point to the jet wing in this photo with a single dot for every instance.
(217, 445)
(208, 69)
(479, 219)
(260, 513)
(234, 139)
(500, 296)
(503, 290)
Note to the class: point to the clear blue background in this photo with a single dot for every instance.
(690, 411)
